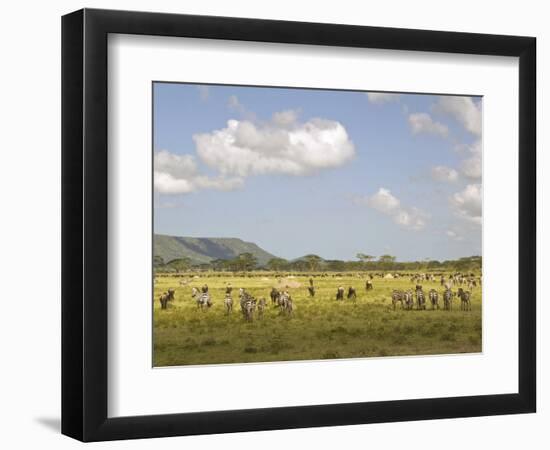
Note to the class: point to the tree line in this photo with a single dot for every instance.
(246, 262)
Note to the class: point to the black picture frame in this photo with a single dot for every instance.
(84, 224)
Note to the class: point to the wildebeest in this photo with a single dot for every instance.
(397, 297)
(448, 300)
(164, 300)
(465, 303)
(204, 288)
(340, 293)
(368, 285)
(420, 298)
(434, 298)
(274, 294)
(171, 294)
(311, 291)
(351, 293)
(228, 303)
(194, 292)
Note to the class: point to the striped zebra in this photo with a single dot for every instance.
(286, 303)
(408, 300)
(448, 300)
(465, 303)
(352, 294)
(420, 299)
(434, 298)
(248, 309)
(228, 303)
(204, 301)
(261, 308)
(397, 297)
(340, 293)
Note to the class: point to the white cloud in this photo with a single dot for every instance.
(471, 167)
(281, 146)
(178, 174)
(444, 174)
(423, 123)
(385, 202)
(382, 97)
(285, 118)
(454, 235)
(204, 92)
(467, 203)
(464, 109)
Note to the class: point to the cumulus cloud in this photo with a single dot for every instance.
(464, 109)
(423, 123)
(382, 97)
(385, 202)
(282, 146)
(444, 174)
(178, 174)
(467, 203)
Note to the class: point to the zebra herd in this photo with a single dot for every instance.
(407, 299)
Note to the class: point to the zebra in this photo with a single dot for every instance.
(420, 298)
(340, 293)
(248, 309)
(352, 294)
(228, 289)
(397, 297)
(434, 298)
(261, 307)
(368, 285)
(285, 302)
(228, 302)
(408, 299)
(448, 300)
(194, 292)
(465, 303)
(204, 301)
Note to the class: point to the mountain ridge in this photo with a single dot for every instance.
(205, 249)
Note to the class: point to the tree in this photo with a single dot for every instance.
(364, 258)
(386, 262)
(244, 262)
(313, 262)
(219, 264)
(158, 261)
(180, 264)
(277, 264)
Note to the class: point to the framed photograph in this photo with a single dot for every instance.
(273, 224)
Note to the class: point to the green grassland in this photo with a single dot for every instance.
(319, 328)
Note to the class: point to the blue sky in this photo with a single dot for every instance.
(334, 173)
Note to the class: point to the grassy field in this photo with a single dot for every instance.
(319, 328)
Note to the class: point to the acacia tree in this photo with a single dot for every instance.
(313, 262)
(276, 264)
(245, 262)
(180, 264)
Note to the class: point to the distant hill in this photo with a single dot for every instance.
(203, 250)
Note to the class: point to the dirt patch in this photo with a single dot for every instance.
(285, 283)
